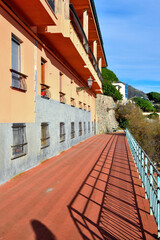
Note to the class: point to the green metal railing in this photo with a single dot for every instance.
(149, 175)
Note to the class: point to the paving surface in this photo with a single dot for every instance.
(91, 191)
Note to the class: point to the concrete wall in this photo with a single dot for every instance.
(49, 111)
(106, 120)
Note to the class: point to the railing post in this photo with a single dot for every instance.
(139, 160)
(158, 204)
(143, 171)
(151, 189)
(146, 176)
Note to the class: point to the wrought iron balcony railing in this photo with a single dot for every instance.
(52, 4)
(82, 36)
(18, 80)
(45, 93)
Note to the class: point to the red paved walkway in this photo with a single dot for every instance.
(91, 191)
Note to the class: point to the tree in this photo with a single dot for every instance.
(154, 96)
(108, 88)
(145, 105)
(108, 75)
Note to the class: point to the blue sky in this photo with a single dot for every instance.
(131, 36)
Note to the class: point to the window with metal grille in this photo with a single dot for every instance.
(62, 132)
(88, 127)
(84, 128)
(19, 147)
(92, 126)
(72, 130)
(45, 139)
(80, 128)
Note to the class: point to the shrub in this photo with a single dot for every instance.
(145, 105)
(153, 116)
(146, 133)
(110, 90)
(154, 96)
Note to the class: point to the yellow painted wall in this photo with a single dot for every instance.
(17, 106)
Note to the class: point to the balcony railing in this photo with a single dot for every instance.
(18, 80)
(45, 93)
(52, 4)
(150, 177)
(82, 36)
(62, 97)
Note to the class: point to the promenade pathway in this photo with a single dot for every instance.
(91, 191)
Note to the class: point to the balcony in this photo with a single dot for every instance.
(82, 36)
(52, 4)
(18, 80)
(45, 93)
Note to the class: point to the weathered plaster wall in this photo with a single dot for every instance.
(106, 120)
(49, 111)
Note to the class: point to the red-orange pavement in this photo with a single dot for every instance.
(91, 191)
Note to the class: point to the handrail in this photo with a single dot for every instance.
(149, 175)
(82, 36)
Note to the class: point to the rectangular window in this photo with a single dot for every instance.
(80, 129)
(84, 128)
(45, 139)
(73, 104)
(84, 106)
(89, 108)
(92, 126)
(72, 130)
(88, 127)
(19, 147)
(45, 93)
(18, 79)
(62, 132)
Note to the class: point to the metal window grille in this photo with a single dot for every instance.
(19, 147)
(88, 127)
(72, 130)
(80, 129)
(62, 132)
(92, 126)
(84, 128)
(45, 139)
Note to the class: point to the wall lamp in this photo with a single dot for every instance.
(90, 81)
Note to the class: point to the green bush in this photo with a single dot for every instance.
(108, 75)
(146, 133)
(154, 96)
(145, 105)
(153, 116)
(110, 90)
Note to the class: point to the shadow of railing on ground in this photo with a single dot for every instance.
(105, 206)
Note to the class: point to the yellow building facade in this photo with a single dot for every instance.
(49, 50)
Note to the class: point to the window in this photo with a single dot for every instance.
(84, 106)
(84, 128)
(89, 108)
(45, 139)
(72, 130)
(88, 127)
(92, 126)
(62, 132)
(18, 79)
(80, 129)
(19, 147)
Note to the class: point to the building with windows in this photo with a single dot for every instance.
(122, 88)
(49, 49)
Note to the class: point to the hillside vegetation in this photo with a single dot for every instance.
(108, 89)
(147, 133)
